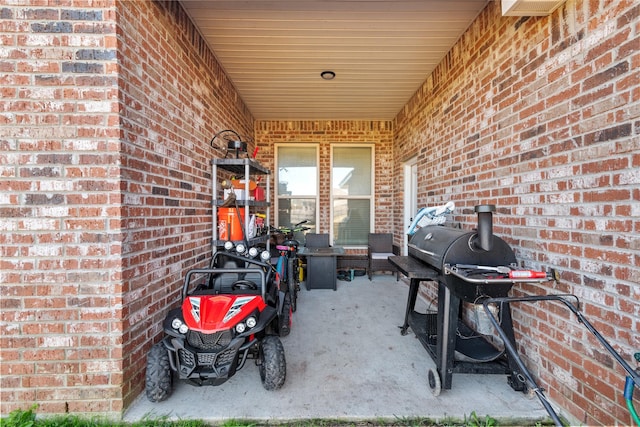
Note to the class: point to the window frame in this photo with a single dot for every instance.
(277, 196)
(371, 197)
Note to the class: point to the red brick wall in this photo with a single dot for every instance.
(107, 115)
(61, 239)
(541, 117)
(328, 132)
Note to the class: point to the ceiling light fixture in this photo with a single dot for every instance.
(328, 75)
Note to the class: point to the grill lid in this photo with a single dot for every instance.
(437, 245)
(429, 244)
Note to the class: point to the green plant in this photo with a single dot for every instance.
(20, 418)
(475, 421)
(413, 422)
(27, 418)
(237, 423)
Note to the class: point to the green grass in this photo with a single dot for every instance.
(28, 418)
(20, 418)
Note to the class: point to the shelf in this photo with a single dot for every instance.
(242, 169)
(238, 166)
(243, 203)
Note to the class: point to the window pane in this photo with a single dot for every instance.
(293, 211)
(351, 218)
(351, 171)
(297, 185)
(297, 171)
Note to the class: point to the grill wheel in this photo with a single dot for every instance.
(434, 382)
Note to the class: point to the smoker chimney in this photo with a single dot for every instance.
(484, 240)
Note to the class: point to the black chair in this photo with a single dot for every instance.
(316, 240)
(379, 249)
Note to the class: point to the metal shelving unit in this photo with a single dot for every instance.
(243, 169)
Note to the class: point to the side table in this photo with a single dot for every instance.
(321, 266)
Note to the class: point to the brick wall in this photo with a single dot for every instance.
(328, 132)
(61, 289)
(107, 115)
(175, 97)
(541, 117)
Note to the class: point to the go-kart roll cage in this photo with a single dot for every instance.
(265, 271)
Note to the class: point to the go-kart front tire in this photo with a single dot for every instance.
(158, 378)
(273, 366)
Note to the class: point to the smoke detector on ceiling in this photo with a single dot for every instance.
(529, 7)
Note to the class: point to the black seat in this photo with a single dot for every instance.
(380, 248)
(316, 240)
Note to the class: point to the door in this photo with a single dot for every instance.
(410, 197)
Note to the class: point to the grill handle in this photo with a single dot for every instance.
(484, 240)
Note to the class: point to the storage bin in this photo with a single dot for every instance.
(240, 194)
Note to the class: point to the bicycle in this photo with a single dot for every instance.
(288, 265)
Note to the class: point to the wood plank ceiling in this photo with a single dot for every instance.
(380, 50)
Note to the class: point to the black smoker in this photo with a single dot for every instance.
(468, 266)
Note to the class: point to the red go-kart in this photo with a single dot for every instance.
(234, 311)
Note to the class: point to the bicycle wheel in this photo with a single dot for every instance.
(292, 273)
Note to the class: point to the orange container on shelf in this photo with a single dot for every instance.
(229, 224)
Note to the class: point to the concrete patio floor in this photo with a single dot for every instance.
(346, 360)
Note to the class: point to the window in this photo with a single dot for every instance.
(297, 185)
(352, 194)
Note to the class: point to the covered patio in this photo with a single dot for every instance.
(346, 360)
(107, 198)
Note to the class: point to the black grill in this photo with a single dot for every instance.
(206, 359)
(467, 266)
(225, 357)
(216, 341)
(186, 358)
(216, 359)
(442, 248)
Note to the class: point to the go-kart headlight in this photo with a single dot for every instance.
(241, 248)
(253, 252)
(265, 256)
(248, 323)
(251, 322)
(228, 246)
(179, 326)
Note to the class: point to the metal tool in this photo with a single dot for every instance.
(499, 269)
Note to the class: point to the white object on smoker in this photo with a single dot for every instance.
(434, 215)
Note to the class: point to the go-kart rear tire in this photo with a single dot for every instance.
(292, 282)
(273, 366)
(158, 378)
(285, 318)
